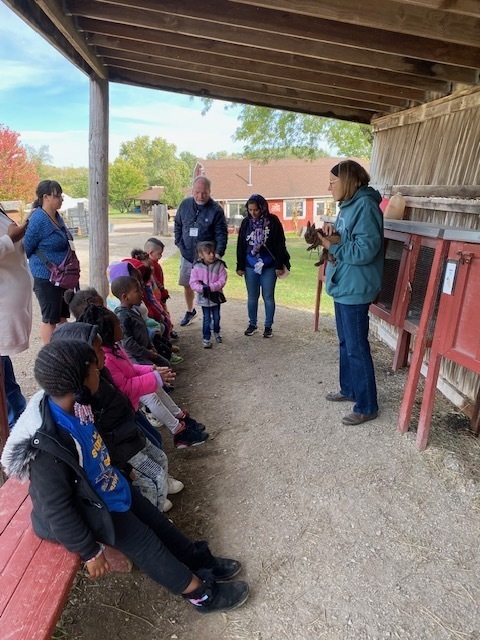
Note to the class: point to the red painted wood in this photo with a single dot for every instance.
(422, 337)
(456, 333)
(12, 496)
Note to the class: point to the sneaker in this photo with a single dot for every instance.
(187, 318)
(250, 330)
(267, 332)
(179, 428)
(174, 359)
(218, 338)
(225, 569)
(174, 486)
(189, 438)
(167, 505)
(190, 422)
(155, 422)
(175, 349)
(206, 344)
(173, 336)
(223, 596)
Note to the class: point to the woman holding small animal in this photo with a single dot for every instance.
(354, 279)
(262, 257)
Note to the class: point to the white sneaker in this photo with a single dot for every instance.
(174, 486)
(167, 505)
(155, 422)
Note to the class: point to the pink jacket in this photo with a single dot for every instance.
(214, 275)
(134, 380)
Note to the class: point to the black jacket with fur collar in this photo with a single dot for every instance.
(65, 507)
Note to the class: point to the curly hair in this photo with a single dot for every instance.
(104, 319)
(78, 300)
(62, 366)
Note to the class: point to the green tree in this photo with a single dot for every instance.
(40, 157)
(224, 155)
(125, 181)
(271, 133)
(190, 159)
(158, 162)
(74, 180)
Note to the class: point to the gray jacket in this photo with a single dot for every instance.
(210, 222)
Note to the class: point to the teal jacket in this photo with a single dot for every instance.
(357, 276)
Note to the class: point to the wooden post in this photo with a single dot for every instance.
(98, 184)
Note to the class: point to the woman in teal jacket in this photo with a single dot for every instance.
(354, 280)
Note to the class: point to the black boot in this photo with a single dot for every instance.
(206, 565)
(212, 597)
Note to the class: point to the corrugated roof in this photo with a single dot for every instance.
(287, 178)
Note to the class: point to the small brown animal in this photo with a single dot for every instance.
(312, 237)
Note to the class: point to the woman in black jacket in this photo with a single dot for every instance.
(81, 500)
(262, 257)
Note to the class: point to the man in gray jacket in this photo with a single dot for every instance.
(198, 218)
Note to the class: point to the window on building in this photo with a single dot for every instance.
(236, 212)
(292, 207)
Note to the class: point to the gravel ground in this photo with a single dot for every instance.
(344, 532)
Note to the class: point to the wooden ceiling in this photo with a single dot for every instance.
(347, 59)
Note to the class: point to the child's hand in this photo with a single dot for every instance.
(240, 272)
(153, 353)
(167, 375)
(206, 291)
(98, 567)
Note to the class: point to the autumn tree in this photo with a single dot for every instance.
(18, 174)
(160, 165)
(125, 181)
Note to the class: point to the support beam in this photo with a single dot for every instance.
(98, 184)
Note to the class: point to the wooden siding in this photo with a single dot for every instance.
(422, 148)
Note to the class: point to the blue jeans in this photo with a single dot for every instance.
(16, 403)
(148, 429)
(357, 375)
(266, 281)
(211, 314)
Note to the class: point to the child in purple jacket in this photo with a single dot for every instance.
(208, 277)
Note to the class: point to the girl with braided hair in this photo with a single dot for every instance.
(143, 383)
(80, 500)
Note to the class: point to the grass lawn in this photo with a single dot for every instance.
(115, 216)
(297, 291)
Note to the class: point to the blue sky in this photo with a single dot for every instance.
(45, 99)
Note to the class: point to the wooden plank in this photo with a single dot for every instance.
(232, 31)
(391, 16)
(464, 7)
(213, 77)
(469, 99)
(201, 47)
(191, 87)
(53, 9)
(437, 190)
(12, 496)
(98, 184)
(44, 591)
(175, 57)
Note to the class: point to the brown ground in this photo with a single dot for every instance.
(345, 533)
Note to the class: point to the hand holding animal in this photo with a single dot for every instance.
(314, 236)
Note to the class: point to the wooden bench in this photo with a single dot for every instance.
(35, 575)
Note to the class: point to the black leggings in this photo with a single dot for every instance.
(155, 545)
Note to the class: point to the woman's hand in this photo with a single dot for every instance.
(16, 232)
(98, 567)
(328, 228)
(240, 272)
(279, 272)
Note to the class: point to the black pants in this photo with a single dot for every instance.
(156, 546)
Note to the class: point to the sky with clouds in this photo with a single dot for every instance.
(45, 99)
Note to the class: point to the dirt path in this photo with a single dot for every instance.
(344, 532)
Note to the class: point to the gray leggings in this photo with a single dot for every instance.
(151, 470)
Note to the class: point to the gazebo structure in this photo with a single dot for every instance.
(409, 67)
(317, 57)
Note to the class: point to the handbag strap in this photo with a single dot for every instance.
(44, 258)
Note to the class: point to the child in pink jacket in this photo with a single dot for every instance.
(208, 277)
(143, 383)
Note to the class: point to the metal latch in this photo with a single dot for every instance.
(465, 257)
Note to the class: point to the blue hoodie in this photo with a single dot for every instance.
(357, 276)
